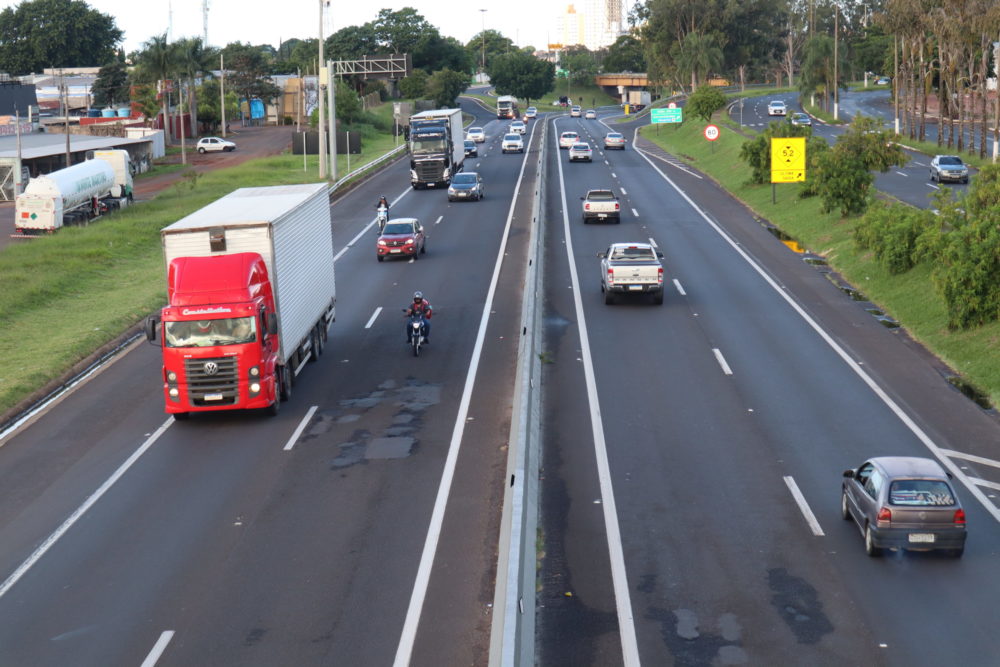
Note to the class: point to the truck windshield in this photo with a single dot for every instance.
(428, 146)
(206, 333)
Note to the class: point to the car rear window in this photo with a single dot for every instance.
(581, 147)
(570, 135)
(921, 493)
(600, 194)
(614, 135)
(632, 253)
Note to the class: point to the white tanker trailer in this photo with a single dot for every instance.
(80, 192)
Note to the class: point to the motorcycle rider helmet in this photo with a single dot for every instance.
(418, 297)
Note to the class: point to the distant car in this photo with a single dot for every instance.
(883, 81)
(466, 185)
(801, 119)
(530, 112)
(512, 143)
(471, 150)
(214, 144)
(904, 502)
(567, 139)
(614, 140)
(580, 151)
(403, 237)
(477, 134)
(575, 112)
(518, 126)
(949, 168)
(590, 114)
(776, 108)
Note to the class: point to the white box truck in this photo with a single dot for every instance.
(251, 296)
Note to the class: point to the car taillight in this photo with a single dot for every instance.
(586, 207)
(611, 276)
(659, 275)
(959, 519)
(884, 515)
(617, 206)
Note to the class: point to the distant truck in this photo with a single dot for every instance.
(601, 205)
(631, 268)
(77, 193)
(637, 100)
(251, 296)
(507, 107)
(437, 147)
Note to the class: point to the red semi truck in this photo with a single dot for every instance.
(251, 296)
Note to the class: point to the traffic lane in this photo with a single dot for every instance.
(158, 399)
(912, 185)
(786, 410)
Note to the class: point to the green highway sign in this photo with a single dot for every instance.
(666, 115)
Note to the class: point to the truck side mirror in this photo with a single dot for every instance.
(602, 255)
(849, 474)
(152, 323)
(272, 323)
(659, 254)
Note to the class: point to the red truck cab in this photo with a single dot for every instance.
(219, 335)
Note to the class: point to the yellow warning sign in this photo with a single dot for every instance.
(788, 159)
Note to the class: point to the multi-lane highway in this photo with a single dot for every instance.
(694, 451)
(692, 459)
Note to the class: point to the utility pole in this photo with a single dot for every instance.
(895, 83)
(836, 87)
(482, 13)
(65, 97)
(222, 91)
(17, 164)
(331, 99)
(321, 72)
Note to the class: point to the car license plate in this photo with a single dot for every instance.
(395, 250)
(463, 194)
(213, 397)
(922, 538)
(602, 215)
(635, 288)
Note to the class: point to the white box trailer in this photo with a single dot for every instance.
(290, 227)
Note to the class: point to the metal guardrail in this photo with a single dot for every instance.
(362, 169)
(512, 640)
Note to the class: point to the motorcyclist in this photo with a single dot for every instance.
(382, 202)
(422, 307)
(382, 207)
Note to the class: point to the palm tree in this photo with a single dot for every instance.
(697, 54)
(193, 59)
(157, 61)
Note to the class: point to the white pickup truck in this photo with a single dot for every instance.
(601, 205)
(631, 268)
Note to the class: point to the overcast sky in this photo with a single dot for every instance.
(262, 22)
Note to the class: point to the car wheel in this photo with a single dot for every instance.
(658, 298)
(423, 249)
(965, 181)
(845, 511)
(201, 150)
(956, 553)
(609, 298)
(870, 547)
(379, 257)
(618, 221)
(932, 176)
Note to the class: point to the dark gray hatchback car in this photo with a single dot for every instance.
(904, 502)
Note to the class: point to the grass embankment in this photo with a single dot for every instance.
(67, 294)
(910, 298)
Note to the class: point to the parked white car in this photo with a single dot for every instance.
(214, 144)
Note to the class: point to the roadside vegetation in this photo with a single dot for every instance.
(936, 274)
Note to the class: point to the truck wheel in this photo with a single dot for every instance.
(320, 338)
(286, 383)
(658, 298)
(609, 298)
(314, 346)
(618, 221)
(273, 409)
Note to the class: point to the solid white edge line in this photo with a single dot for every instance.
(158, 648)
(807, 512)
(374, 316)
(409, 633)
(364, 230)
(82, 509)
(971, 457)
(722, 361)
(680, 290)
(301, 427)
(619, 577)
(983, 482)
(894, 407)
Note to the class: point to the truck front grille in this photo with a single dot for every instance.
(212, 381)
(430, 171)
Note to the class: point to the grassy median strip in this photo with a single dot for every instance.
(910, 298)
(67, 294)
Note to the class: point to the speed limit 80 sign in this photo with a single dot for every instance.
(711, 132)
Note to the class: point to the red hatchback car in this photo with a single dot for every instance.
(401, 237)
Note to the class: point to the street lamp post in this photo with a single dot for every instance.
(482, 13)
(321, 91)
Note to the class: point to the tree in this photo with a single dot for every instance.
(434, 52)
(697, 54)
(400, 31)
(247, 70)
(445, 85)
(625, 55)
(580, 63)
(352, 42)
(156, 64)
(111, 86)
(705, 101)
(522, 75)
(209, 103)
(490, 42)
(414, 86)
(55, 33)
(192, 58)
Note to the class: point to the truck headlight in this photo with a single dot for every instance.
(172, 376)
(254, 371)
(174, 392)
(447, 172)
(413, 174)
(255, 387)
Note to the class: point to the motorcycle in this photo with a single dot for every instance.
(382, 217)
(416, 332)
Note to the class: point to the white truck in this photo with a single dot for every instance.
(507, 107)
(437, 147)
(601, 205)
(631, 268)
(638, 99)
(259, 261)
(80, 192)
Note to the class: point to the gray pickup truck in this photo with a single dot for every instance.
(631, 268)
(601, 205)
